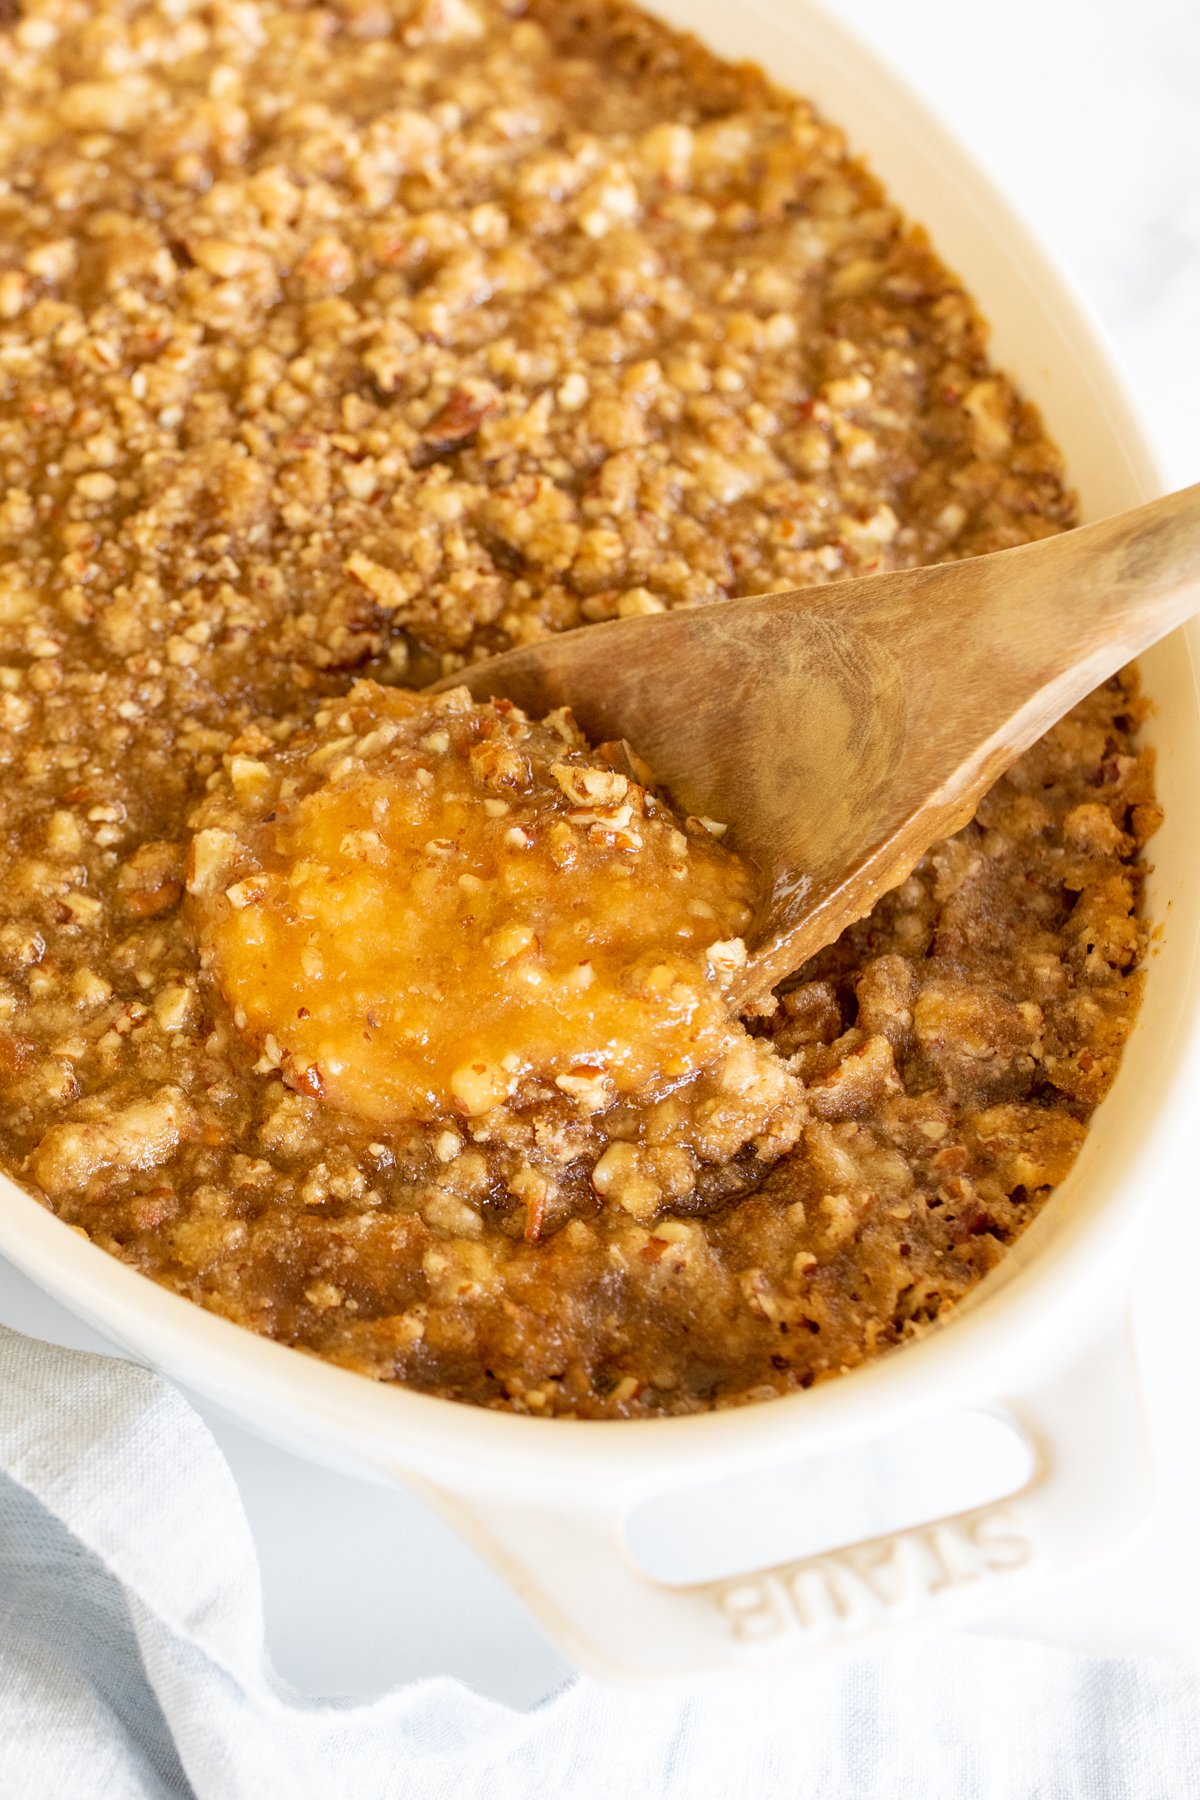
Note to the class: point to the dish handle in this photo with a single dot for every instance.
(570, 1561)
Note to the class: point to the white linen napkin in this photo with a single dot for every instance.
(132, 1664)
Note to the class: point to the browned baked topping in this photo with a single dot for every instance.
(367, 338)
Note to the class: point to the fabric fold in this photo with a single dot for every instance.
(132, 1664)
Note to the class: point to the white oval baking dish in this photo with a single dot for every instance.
(1038, 1357)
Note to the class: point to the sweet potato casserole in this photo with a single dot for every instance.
(344, 343)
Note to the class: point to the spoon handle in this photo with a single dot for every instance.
(1061, 615)
(967, 665)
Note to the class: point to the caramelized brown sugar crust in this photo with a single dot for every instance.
(360, 340)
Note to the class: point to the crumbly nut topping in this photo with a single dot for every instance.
(364, 338)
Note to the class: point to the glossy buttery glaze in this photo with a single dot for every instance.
(423, 909)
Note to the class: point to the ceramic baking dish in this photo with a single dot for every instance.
(1005, 1445)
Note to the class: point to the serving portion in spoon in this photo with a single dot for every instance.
(548, 899)
(842, 730)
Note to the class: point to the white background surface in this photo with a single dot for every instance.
(1087, 112)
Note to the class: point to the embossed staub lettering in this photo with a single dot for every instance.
(848, 1590)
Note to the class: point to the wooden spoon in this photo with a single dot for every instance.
(840, 730)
